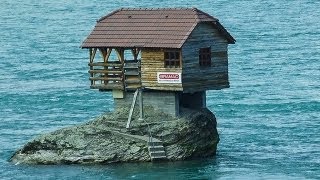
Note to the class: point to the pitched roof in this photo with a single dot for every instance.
(149, 27)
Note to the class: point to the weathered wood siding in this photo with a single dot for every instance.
(196, 78)
(152, 61)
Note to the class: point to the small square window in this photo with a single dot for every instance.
(171, 59)
(205, 57)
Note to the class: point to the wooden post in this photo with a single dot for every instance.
(103, 53)
(120, 54)
(109, 50)
(135, 52)
(92, 53)
(141, 104)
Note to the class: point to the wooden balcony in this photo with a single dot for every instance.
(106, 76)
(114, 75)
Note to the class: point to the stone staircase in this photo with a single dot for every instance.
(155, 146)
(156, 150)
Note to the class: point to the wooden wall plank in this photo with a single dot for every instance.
(152, 61)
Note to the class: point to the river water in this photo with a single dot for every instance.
(269, 120)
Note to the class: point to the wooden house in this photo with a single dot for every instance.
(174, 54)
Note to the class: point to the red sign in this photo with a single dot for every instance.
(168, 77)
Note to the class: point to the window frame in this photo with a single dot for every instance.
(205, 57)
(172, 58)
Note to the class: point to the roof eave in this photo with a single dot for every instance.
(108, 15)
(189, 32)
(223, 30)
(169, 47)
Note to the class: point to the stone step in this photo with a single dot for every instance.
(154, 143)
(159, 158)
(156, 148)
(155, 154)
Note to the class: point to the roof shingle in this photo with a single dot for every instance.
(149, 27)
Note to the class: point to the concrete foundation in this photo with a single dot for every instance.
(168, 102)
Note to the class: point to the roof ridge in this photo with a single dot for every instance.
(198, 12)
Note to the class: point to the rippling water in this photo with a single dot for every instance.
(269, 119)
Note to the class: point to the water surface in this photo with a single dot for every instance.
(268, 120)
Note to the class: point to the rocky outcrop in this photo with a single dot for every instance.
(106, 140)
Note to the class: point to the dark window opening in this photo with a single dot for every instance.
(205, 57)
(172, 59)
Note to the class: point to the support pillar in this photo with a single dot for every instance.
(141, 104)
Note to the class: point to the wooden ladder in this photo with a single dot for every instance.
(132, 108)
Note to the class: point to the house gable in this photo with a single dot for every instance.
(197, 78)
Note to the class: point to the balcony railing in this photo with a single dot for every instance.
(106, 76)
(115, 75)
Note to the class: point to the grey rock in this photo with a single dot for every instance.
(105, 139)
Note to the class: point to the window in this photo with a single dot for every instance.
(172, 59)
(205, 57)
